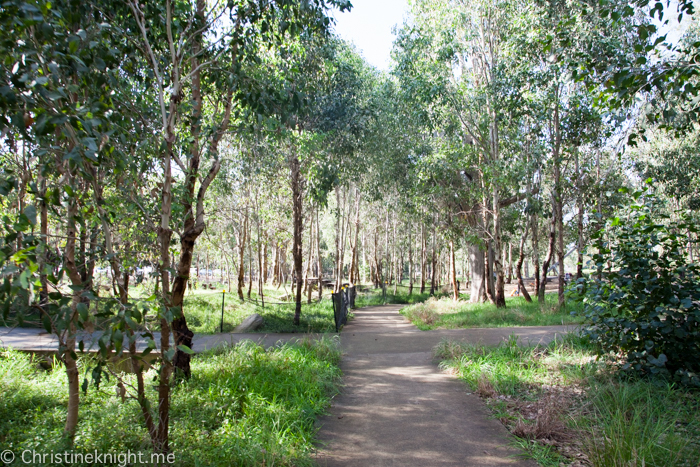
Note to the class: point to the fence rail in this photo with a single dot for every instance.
(342, 302)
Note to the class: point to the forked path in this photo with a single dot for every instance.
(398, 409)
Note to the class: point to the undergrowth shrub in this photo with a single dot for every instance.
(644, 301)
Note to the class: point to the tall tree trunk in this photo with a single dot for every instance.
(353, 261)
(395, 268)
(241, 255)
(455, 288)
(295, 170)
(559, 211)
(312, 244)
(345, 228)
(422, 258)
(194, 218)
(497, 254)
(579, 216)
(307, 286)
(265, 254)
(410, 259)
(490, 283)
(276, 266)
(433, 265)
(550, 252)
(164, 237)
(250, 259)
(519, 264)
(509, 279)
(318, 256)
(535, 253)
(71, 332)
(261, 292)
(363, 278)
(338, 240)
(387, 255)
(377, 262)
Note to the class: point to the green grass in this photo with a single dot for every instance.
(372, 297)
(203, 312)
(445, 313)
(202, 309)
(243, 406)
(559, 400)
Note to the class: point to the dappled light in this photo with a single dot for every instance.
(209, 210)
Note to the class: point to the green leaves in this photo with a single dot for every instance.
(644, 300)
(82, 309)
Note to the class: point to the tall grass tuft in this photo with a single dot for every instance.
(630, 426)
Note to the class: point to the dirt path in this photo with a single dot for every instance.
(398, 409)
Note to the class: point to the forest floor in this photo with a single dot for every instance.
(541, 384)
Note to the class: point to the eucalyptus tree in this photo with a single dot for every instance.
(662, 72)
(554, 40)
(62, 90)
(346, 115)
(454, 57)
(199, 53)
(79, 81)
(312, 89)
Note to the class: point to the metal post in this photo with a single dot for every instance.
(223, 299)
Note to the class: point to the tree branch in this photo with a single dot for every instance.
(519, 197)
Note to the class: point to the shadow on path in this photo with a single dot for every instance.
(398, 409)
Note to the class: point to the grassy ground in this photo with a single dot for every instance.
(203, 311)
(243, 406)
(567, 408)
(447, 314)
(371, 296)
